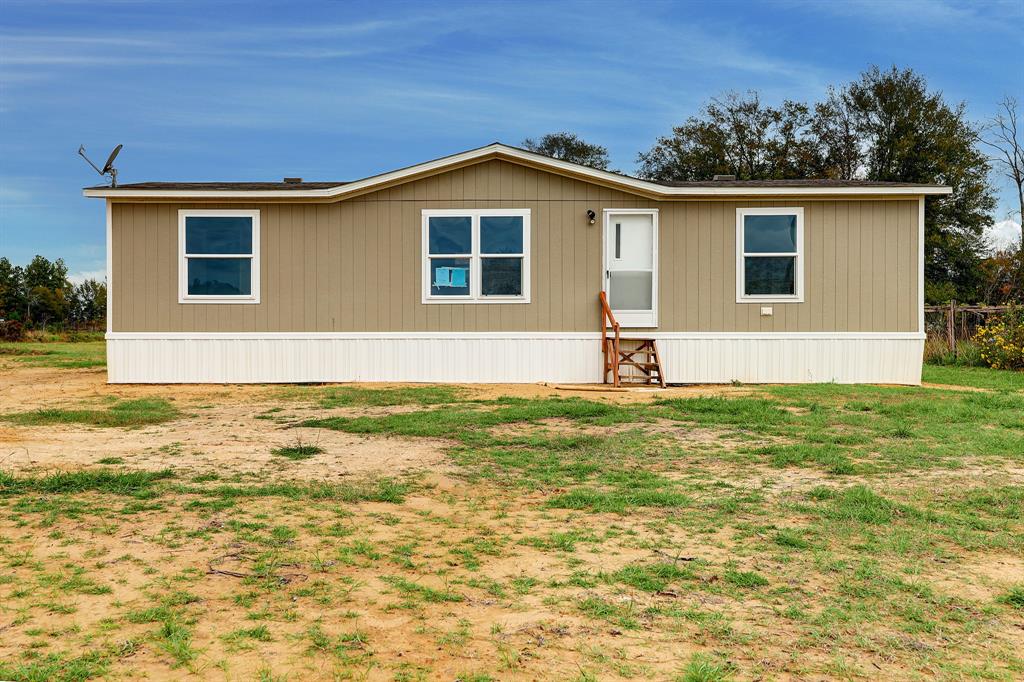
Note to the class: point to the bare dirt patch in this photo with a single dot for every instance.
(227, 438)
(223, 430)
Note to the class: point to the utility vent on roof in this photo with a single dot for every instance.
(293, 181)
(724, 177)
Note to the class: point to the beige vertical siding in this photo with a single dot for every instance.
(355, 265)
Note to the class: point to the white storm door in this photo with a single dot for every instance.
(631, 265)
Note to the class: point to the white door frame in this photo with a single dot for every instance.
(627, 318)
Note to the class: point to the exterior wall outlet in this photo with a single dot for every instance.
(767, 311)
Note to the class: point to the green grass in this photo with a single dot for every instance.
(151, 483)
(977, 377)
(619, 501)
(371, 490)
(683, 520)
(414, 590)
(55, 667)
(838, 429)
(1014, 597)
(298, 451)
(64, 355)
(123, 413)
(654, 577)
(357, 396)
(704, 668)
(745, 579)
(100, 480)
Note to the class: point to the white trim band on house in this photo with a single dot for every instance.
(498, 150)
(506, 357)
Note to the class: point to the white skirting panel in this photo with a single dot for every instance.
(790, 360)
(505, 358)
(297, 360)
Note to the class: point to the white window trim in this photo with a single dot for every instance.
(183, 295)
(798, 296)
(475, 266)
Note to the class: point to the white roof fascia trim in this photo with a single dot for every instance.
(511, 152)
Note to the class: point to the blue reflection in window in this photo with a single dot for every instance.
(766, 275)
(769, 234)
(451, 234)
(501, 234)
(218, 234)
(219, 276)
(501, 276)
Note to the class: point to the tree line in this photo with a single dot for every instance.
(39, 295)
(885, 126)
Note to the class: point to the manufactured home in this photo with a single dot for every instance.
(501, 265)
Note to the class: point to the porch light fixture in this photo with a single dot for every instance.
(591, 216)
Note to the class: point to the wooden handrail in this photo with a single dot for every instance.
(607, 310)
(609, 345)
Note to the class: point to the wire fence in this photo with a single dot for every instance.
(956, 322)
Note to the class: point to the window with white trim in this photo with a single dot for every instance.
(769, 255)
(476, 256)
(219, 256)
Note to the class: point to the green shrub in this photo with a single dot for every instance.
(1002, 340)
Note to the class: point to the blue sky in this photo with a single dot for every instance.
(340, 90)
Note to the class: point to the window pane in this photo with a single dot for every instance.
(501, 234)
(449, 277)
(219, 276)
(218, 234)
(769, 234)
(769, 275)
(501, 276)
(451, 235)
(630, 290)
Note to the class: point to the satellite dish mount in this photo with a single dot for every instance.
(108, 167)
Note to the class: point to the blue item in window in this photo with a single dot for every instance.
(450, 277)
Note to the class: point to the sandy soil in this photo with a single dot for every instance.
(222, 432)
(539, 634)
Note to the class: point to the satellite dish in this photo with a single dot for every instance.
(108, 167)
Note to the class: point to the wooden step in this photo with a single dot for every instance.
(643, 356)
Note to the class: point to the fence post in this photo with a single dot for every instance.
(951, 326)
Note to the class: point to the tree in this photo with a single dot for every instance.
(569, 147)
(1004, 277)
(87, 302)
(40, 294)
(913, 135)
(12, 290)
(1004, 137)
(834, 129)
(45, 284)
(736, 135)
(884, 126)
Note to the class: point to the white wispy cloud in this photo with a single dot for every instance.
(1003, 234)
(82, 275)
